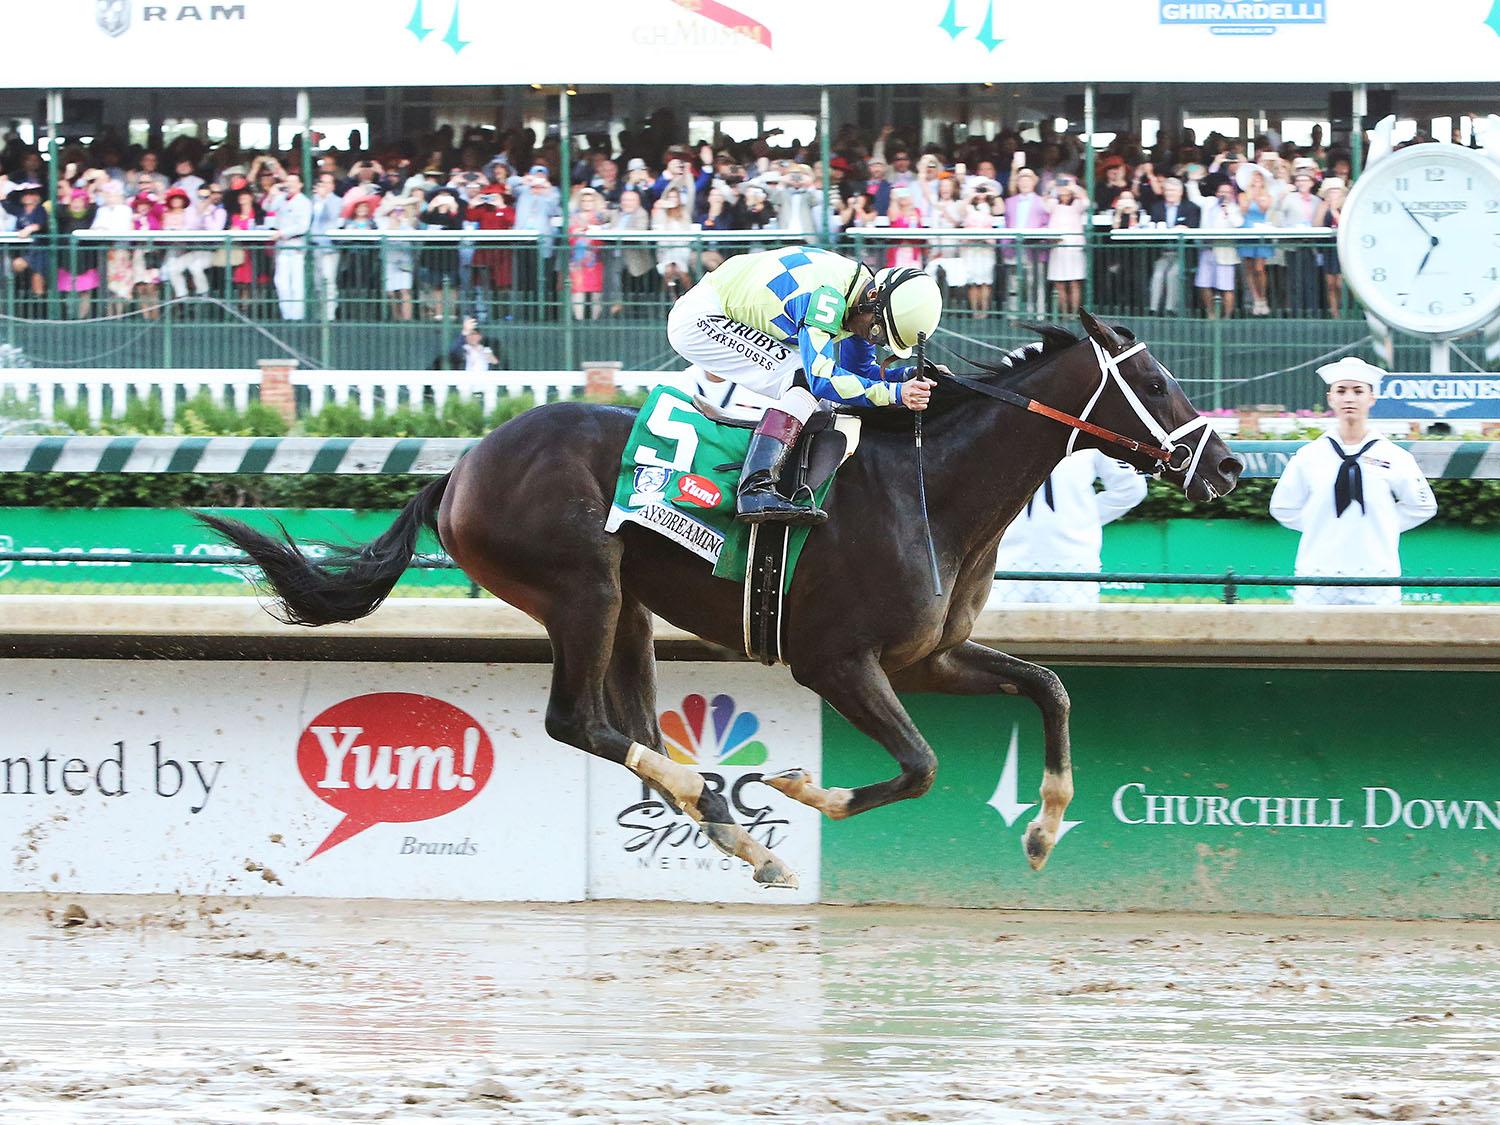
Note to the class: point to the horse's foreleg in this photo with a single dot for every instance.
(859, 690)
(972, 669)
(630, 691)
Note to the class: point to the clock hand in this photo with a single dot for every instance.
(1412, 216)
(1427, 255)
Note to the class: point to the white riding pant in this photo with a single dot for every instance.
(703, 334)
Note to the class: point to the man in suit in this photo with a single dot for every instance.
(1169, 211)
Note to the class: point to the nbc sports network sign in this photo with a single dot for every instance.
(378, 780)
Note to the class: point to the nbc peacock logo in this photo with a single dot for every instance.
(709, 733)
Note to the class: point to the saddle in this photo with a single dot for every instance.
(820, 449)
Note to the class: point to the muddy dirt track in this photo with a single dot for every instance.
(185, 1011)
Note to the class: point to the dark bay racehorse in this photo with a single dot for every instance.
(523, 514)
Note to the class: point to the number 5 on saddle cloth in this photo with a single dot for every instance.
(678, 475)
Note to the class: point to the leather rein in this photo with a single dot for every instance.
(1165, 454)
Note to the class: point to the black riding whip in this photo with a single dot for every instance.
(937, 582)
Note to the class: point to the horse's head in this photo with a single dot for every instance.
(1138, 397)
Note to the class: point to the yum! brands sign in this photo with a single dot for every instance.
(394, 757)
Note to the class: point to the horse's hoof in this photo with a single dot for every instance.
(774, 873)
(725, 837)
(1035, 846)
(790, 782)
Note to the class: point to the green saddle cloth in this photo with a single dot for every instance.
(677, 477)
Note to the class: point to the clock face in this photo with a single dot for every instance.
(1419, 239)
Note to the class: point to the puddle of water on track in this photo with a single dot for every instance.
(314, 1011)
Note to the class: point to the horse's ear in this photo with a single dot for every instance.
(1053, 336)
(1101, 333)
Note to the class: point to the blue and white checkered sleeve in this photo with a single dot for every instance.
(828, 377)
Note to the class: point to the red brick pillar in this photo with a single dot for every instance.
(276, 386)
(599, 379)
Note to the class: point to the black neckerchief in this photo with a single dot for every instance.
(1047, 498)
(1349, 480)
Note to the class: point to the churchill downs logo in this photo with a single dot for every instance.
(704, 733)
(1378, 807)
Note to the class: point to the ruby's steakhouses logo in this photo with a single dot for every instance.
(699, 490)
(1378, 807)
(393, 757)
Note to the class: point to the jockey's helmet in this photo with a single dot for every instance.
(907, 301)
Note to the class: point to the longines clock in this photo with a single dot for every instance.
(1419, 240)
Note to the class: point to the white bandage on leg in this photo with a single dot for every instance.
(799, 403)
(684, 783)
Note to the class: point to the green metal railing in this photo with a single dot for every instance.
(1229, 582)
(398, 298)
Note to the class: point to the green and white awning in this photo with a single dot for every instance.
(230, 454)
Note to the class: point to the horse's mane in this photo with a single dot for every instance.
(948, 395)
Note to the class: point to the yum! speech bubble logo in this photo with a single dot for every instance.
(393, 757)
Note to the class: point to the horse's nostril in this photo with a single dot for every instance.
(1231, 468)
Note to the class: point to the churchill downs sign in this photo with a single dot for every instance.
(1378, 808)
(1268, 789)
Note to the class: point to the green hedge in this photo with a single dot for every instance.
(1468, 503)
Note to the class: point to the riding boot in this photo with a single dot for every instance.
(756, 498)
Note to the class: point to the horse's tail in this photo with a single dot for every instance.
(349, 582)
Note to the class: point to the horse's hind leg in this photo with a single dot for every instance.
(603, 680)
(630, 684)
(973, 669)
(859, 690)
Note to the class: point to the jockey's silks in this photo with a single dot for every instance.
(799, 296)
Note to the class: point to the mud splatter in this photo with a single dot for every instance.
(378, 1011)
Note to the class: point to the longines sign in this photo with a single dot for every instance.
(1426, 397)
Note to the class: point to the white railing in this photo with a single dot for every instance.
(694, 235)
(366, 387)
(41, 387)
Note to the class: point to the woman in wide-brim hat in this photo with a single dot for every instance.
(80, 277)
(24, 201)
(145, 267)
(366, 197)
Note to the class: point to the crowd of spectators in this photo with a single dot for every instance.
(684, 194)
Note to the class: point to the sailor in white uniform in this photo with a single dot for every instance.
(1351, 494)
(1061, 528)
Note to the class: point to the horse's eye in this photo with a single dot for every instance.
(1156, 387)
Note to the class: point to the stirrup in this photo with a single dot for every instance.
(761, 503)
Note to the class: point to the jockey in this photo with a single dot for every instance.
(798, 325)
